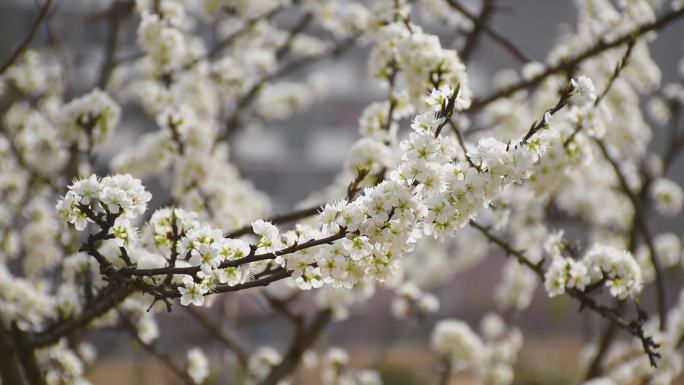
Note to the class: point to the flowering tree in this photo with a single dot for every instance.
(564, 143)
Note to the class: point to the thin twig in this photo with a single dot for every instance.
(154, 351)
(115, 15)
(634, 327)
(490, 31)
(569, 64)
(231, 341)
(27, 40)
(640, 219)
(474, 36)
(304, 338)
(618, 68)
(278, 219)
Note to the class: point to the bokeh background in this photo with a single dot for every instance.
(290, 159)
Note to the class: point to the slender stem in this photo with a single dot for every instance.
(231, 341)
(640, 220)
(461, 142)
(278, 219)
(570, 64)
(480, 24)
(108, 298)
(115, 16)
(133, 272)
(304, 338)
(633, 327)
(154, 351)
(618, 68)
(606, 339)
(445, 371)
(296, 30)
(234, 121)
(10, 370)
(29, 38)
(474, 36)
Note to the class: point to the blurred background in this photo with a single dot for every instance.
(288, 160)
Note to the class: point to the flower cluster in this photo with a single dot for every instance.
(198, 365)
(88, 199)
(405, 215)
(335, 369)
(617, 268)
(491, 355)
(668, 197)
(428, 192)
(90, 119)
(456, 341)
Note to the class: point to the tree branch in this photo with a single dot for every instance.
(27, 40)
(634, 327)
(307, 337)
(229, 340)
(480, 24)
(640, 220)
(568, 65)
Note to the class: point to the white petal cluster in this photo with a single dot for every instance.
(64, 366)
(198, 365)
(516, 289)
(410, 297)
(456, 341)
(90, 119)
(23, 301)
(161, 35)
(207, 248)
(261, 362)
(490, 355)
(335, 369)
(668, 248)
(668, 196)
(421, 57)
(120, 195)
(618, 268)
(585, 93)
(428, 192)
(502, 345)
(35, 73)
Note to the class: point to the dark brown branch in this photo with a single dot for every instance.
(234, 121)
(445, 371)
(541, 123)
(481, 25)
(606, 339)
(229, 340)
(461, 142)
(303, 340)
(278, 219)
(262, 282)
(296, 30)
(108, 298)
(115, 15)
(634, 327)
(640, 220)
(571, 64)
(247, 24)
(510, 251)
(618, 68)
(29, 38)
(474, 35)
(192, 270)
(154, 351)
(10, 369)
